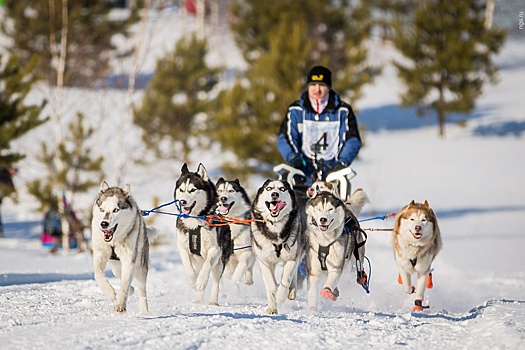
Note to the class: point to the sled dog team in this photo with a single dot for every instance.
(272, 230)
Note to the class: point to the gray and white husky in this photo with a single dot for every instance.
(119, 235)
(198, 243)
(234, 204)
(330, 243)
(278, 237)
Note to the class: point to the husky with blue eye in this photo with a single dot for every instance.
(119, 235)
(278, 237)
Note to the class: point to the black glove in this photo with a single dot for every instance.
(339, 166)
(298, 162)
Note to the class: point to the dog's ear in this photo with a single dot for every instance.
(201, 171)
(103, 186)
(426, 205)
(184, 168)
(220, 181)
(127, 190)
(413, 203)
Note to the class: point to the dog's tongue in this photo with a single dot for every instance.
(224, 209)
(276, 207)
(108, 234)
(323, 227)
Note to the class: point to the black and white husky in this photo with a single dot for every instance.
(330, 243)
(119, 235)
(278, 237)
(234, 204)
(197, 242)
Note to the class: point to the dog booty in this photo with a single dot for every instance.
(430, 284)
(327, 293)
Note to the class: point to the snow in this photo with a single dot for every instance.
(473, 179)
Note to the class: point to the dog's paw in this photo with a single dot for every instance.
(327, 293)
(271, 311)
(213, 303)
(291, 294)
(418, 307)
(120, 308)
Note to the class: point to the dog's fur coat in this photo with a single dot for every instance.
(234, 203)
(416, 240)
(198, 243)
(330, 244)
(119, 235)
(278, 237)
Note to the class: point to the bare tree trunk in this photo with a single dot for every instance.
(60, 61)
(127, 117)
(489, 14)
(201, 14)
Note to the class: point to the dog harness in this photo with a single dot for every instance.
(113, 255)
(195, 240)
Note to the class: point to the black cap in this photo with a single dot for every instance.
(320, 75)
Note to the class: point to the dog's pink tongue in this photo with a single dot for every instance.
(277, 207)
(224, 208)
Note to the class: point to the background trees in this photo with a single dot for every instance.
(179, 92)
(280, 42)
(36, 29)
(16, 118)
(450, 54)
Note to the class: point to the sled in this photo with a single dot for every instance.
(297, 179)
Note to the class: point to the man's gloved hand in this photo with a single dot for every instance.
(298, 162)
(339, 166)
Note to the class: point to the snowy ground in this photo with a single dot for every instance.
(473, 179)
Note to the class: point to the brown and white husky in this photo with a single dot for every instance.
(416, 241)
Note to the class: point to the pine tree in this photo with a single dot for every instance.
(80, 172)
(247, 116)
(281, 41)
(451, 57)
(16, 118)
(35, 29)
(178, 93)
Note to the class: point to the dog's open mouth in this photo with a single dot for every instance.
(108, 234)
(417, 235)
(187, 209)
(224, 208)
(325, 226)
(322, 226)
(275, 207)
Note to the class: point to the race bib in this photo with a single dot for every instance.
(321, 138)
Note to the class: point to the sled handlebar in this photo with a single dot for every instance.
(287, 172)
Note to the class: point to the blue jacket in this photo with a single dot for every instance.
(332, 135)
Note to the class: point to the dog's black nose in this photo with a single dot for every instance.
(323, 221)
(275, 195)
(104, 224)
(224, 199)
(417, 228)
(183, 202)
